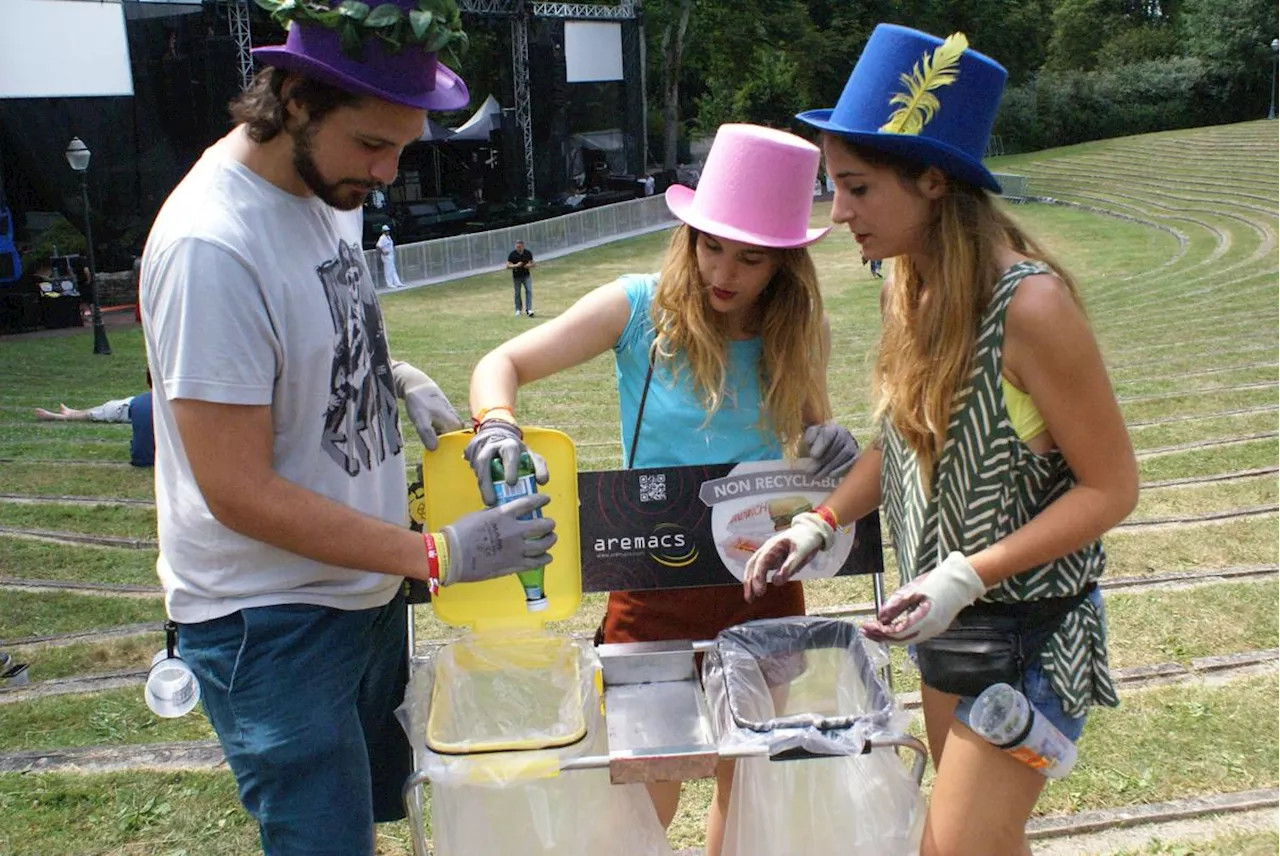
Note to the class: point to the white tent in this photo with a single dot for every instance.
(434, 132)
(482, 123)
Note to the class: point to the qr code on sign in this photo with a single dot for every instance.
(653, 488)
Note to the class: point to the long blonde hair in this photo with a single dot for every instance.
(692, 336)
(926, 345)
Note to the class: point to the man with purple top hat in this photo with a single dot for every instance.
(280, 466)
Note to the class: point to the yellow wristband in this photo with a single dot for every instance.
(442, 551)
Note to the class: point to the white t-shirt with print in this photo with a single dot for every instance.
(251, 295)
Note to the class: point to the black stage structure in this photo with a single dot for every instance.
(188, 59)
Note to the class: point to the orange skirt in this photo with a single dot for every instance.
(691, 613)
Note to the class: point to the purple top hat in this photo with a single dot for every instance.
(756, 187)
(411, 76)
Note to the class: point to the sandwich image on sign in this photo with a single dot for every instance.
(769, 498)
(755, 524)
(783, 509)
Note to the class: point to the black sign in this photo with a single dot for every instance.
(674, 527)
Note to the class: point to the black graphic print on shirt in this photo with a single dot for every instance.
(361, 424)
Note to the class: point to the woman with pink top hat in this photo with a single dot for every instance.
(721, 357)
(280, 458)
(1002, 456)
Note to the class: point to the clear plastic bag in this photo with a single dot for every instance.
(491, 717)
(578, 813)
(807, 688)
(865, 805)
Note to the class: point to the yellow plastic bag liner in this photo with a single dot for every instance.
(500, 692)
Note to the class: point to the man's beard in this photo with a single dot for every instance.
(347, 194)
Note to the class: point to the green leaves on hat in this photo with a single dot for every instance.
(918, 102)
(435, 26)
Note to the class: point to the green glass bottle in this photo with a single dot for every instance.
(535, 598)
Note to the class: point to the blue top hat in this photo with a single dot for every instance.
(921, 98)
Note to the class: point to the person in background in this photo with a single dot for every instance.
(721, 358)
(387, 253)
(1003, 456)
(520, 263)
(135, 410)
(281, 495)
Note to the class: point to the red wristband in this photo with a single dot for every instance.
(433, 563)
(827, 515)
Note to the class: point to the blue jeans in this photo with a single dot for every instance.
(302, 699)
(142, 445)
(1039, 691)
(527, 282)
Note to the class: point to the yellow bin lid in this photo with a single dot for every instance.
(450, 491)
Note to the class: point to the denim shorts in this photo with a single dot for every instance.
(303, 701)
(1040, 692)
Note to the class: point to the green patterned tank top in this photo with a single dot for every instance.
(988, 484)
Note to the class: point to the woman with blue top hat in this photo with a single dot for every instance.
(1002, 456)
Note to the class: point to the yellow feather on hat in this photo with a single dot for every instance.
(918, 102)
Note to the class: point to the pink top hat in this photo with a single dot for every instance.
(756, 187)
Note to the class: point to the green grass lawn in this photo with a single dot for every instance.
(1182, 296)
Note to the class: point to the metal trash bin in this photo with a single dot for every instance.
(507, 723)
(494, 718)
(790, 689)
(535, 744)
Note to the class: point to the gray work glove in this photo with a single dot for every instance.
(429, 410)
(495, 542)
(832, 447)
(503, 440)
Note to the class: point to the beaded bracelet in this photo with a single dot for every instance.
(509, 426)
(479, 418)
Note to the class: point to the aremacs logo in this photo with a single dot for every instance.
(668, 544)
(674, 546)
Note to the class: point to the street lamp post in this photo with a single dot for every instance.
(1275, 67)
(78, 156)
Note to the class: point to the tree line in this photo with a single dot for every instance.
(1078, 69)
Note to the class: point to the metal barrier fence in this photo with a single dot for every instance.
(1013, 186)
(480, 252)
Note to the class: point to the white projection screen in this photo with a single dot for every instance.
(592, 51)
(63, 49)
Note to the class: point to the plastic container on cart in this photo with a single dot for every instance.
(515, 692)
(509, 792)
(782, 690)
(496, 716)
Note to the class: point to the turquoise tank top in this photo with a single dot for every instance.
(675, 430)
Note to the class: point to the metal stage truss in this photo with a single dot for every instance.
(520, 13)
(238, 22)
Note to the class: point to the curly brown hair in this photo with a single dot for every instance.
(261, 107)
